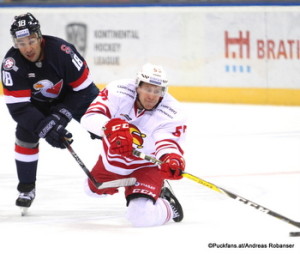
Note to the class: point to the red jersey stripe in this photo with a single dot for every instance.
(19, 93)
(81, 79)
(168, 143)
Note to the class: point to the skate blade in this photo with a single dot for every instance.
(24, 210)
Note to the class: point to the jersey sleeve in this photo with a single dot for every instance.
(76, 75)
(170, 135)
(101, 110)
(74, 68)
(170, 139)
(17, 94)
(107, 105)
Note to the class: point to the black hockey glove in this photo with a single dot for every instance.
(54, 133)
(63, 115)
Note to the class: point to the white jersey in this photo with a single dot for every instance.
(156, 132)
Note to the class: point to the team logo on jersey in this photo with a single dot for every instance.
(47, 89)
(9, 63)
(138, 136)
(77, 34)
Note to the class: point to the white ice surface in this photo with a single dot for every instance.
(252, 151)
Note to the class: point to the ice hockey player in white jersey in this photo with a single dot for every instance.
(140, 114)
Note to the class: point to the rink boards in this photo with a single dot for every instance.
(233, 54)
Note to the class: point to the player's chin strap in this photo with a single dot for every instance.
(223, 191)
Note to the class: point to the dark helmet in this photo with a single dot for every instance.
(25, 25)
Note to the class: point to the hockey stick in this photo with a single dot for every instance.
(222, 190)
(100, 185)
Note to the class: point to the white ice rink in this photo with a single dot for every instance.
(252, 151)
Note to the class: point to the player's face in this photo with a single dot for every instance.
(149, 95)
(29, 47)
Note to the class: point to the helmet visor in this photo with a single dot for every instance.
(25, 41)
(152, 89)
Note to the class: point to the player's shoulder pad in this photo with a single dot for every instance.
(54, 41)
(122, 88)
(13, 61)
(58, 47)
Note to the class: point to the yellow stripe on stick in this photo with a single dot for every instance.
(201, 181)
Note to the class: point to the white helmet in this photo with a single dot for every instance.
(153, 74)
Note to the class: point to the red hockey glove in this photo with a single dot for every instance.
(119, 137)
(172, 166)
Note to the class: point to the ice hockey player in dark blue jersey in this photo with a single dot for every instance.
(46, 83)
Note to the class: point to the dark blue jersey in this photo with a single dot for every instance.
(32, 88)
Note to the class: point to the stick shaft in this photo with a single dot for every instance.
(100, 185)
(81, 164)
(241, 199)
